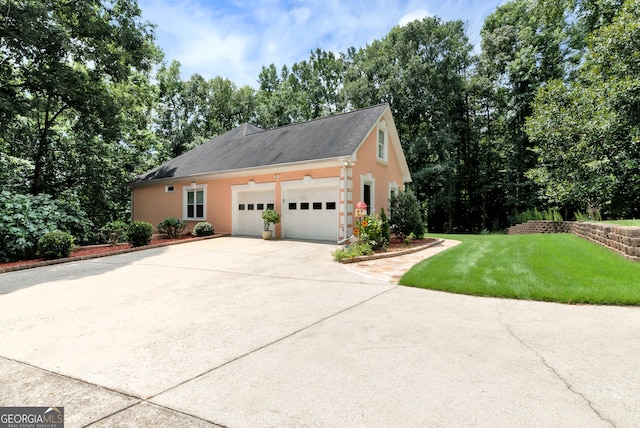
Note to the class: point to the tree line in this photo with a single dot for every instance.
(545, 114)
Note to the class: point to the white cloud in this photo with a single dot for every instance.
(414, 15)
(236, 38)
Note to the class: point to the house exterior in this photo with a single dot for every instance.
(312, 173)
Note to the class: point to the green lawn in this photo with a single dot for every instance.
(623, 222)
(559, 268)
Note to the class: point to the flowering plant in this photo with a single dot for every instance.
(369, 231)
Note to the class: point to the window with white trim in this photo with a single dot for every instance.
(382, 146)
(194, 203)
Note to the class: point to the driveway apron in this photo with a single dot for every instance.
(240, 332)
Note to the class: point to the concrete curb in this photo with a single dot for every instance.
(95, 256)
(392, 254)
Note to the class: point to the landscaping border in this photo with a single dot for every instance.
(437, 241)
(95, 256)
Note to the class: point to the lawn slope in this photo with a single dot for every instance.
(559, 268)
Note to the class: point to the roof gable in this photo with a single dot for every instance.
(249, 146)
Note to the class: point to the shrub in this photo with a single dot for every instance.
(115, 231)
(405, 215)
(353, 250)
(172, 227)
(203, 229)
(55, 245)
(386, 230)
(24, 219)
(139, 233)
(369, 230)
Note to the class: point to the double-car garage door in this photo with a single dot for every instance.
(308, 211)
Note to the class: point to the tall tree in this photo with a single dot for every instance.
(586, 131)
(524, 45)
(420, 70)
(60, 60)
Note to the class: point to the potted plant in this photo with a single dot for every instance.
(270, 216)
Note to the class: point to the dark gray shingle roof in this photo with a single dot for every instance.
(249, 146)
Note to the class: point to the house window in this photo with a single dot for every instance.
(194, 203)
(270, 206)
(331, 205)
(382, 147)
(317, 205)
(168, 189)
(260, 207)
(304, 205)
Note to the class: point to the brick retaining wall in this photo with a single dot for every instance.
(624, 240)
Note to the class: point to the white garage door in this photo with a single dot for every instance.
(247, 216)
(311, 213)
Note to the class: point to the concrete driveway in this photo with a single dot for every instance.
(248, 333)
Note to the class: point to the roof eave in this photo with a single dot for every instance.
(276, 168)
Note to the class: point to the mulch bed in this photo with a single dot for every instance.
(92, 251)
(397, 244)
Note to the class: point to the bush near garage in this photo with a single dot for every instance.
(139, 233)
(55, 245)
(203, 229)
(115, 231)
(172, 227)
(405, 215)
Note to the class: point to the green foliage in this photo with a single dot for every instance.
(270, 216)
(580, 216)
(369, 231)
(115, 231)
(203, 229)
(420, 69)
(352, 250)
(551, 214)
(172, 227)
(585, 128)
(385, 230)
(405, 215)
(550, 267)
(24, 219)
(139, 233)
(75, 100)
(55, 245)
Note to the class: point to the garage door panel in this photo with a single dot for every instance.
(248, 211)
(311, 213)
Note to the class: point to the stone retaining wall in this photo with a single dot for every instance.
(624, 240)
(541, 226)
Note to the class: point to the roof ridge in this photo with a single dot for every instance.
(326, 117)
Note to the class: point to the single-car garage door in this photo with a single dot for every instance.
(310, 213)
(248, 208)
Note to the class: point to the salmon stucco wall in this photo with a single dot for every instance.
(152, 203)
(375, 172)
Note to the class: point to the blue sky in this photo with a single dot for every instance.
(235, 38)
